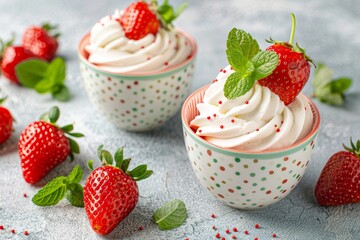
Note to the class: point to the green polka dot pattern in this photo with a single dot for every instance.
(138, 103)
(247, 182)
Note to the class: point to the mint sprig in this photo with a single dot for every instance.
(328, 90)
(44, 77)
(55, 190)
(139, 173)
(171, 215)
(248, 61)
(51, 117)
(166, 13)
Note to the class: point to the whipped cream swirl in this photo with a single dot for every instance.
(256, 121)
(112, 51)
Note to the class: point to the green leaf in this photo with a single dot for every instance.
(335, 99)
(68, 128)
(75, 195)
(125, 164)
(138, 171)
(30, 72)
(171, 215)
(90, 164)
(340, 85)
(181, 9)
(52, 193)
(76, 175)
(323, 76)
(99, 150)
(61, 93)
(44, 86)
(147, 174)
(54, 114)
(236, 60)
(264, 63)
(74, 146)
(242, 43)
(237, 85)
(57, 71)
(76, 134)
(106, 155)
(119, 157)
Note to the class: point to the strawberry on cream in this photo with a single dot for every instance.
(256, 121)
(112, 51)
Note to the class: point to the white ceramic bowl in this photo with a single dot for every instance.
(137, 102)
(243, 179)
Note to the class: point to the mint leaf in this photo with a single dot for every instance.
(44, 86)
(171, 215)
(340, 85)
(236, 60)
(242, 43)
(237, 85)
(61, 93)
(75, 195)
(328, 90)
(54, 114)
(76, 175)
(57, 71)
(51, 193)
(168, 14)
(264, 63)
(30, 72)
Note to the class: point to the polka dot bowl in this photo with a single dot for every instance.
(137, 102)
(242, 179)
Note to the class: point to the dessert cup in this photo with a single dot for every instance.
(244, 179)
(137, 102)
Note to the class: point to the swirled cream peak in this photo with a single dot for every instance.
(112, 51)
(256, 121)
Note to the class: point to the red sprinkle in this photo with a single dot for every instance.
(224, 71)
(227, 231)
(217, 235)
(221, 70)
(200, 131)
(233, 237)
(187, 239)
(213, 227)
(247, 102)
(1, 227)
(25, 195)
(13, 231)
(223, 238)
(208, 118)
(257, 129)
(220, 102)
(213, 215)
(221, 126)
(166, 63)
(257, 226)
(235, 229)
(214, 115)
(231, 68)
(246, 232)
(256, 238)
(278, 130)
(141, 228)
(232, 120)
(215, 80)
(26, 233)
(274, 235)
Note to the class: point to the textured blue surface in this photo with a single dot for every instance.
(328, 29)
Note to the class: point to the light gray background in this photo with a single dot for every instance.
(328, 29)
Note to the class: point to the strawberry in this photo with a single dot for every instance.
(339, 180)
(292, 71)
(43, 145)
(11, 56)
(40, 41)
(111, 192)
(6, 123)
(138, 21)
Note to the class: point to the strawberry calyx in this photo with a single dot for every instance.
(2, 100)
(355, 148)
(139, 173)
(51, 117)
(296, 47)
(49, 28)
(166, 13)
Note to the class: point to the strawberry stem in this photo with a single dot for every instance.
(355, 148)
(293, 27)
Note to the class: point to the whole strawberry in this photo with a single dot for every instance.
(292, 71)
(40, 41)
(138, 21)
(111, 192)
(6, 123)
(43, 145)
(339, 180)
(11, 56)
